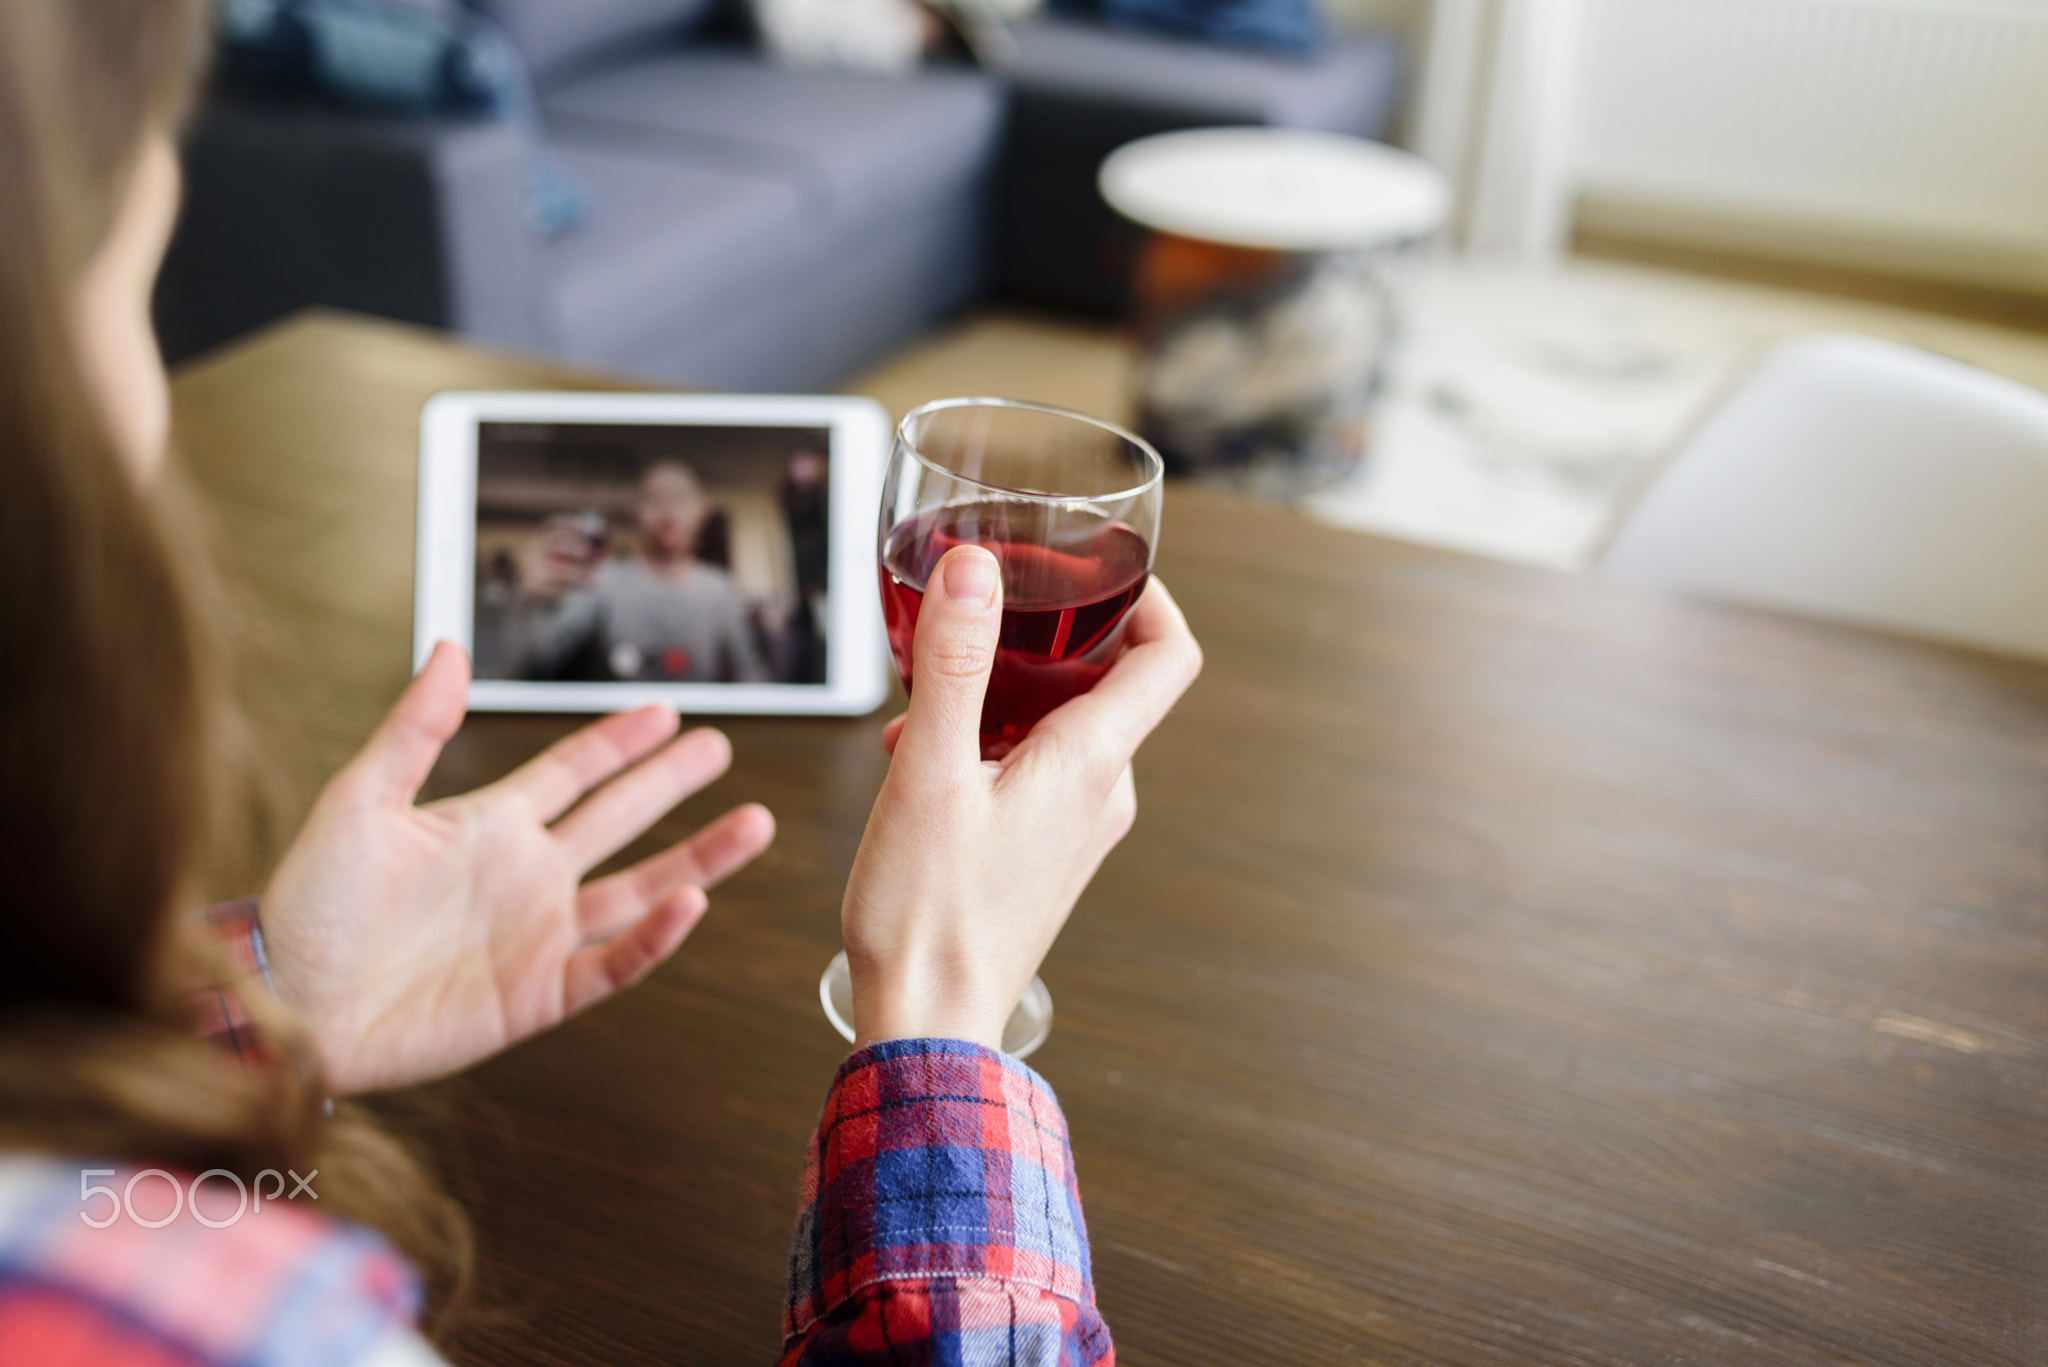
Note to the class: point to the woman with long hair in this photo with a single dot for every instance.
(397, 942)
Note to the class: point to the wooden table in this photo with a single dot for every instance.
(1506, 967)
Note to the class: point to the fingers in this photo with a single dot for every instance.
(951, 655)
(1160, 660)
(595, 973)
(552, 781)
(610, 817)
(402, 750)
(608, 905)
(1156, 616)
(891, 733)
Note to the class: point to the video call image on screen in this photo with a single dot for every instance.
(651, 554)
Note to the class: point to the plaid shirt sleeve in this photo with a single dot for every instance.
(940, 1219)
(235, 1282)
(222, 1016)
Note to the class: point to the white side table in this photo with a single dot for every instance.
(1268, 298)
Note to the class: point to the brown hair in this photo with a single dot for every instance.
(111, 718)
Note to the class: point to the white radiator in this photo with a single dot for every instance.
(1906, 124)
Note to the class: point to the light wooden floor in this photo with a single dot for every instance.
(1540, 472)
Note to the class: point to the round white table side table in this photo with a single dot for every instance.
(1268, 301)
(1281, 189)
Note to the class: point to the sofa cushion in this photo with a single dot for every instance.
(850, 300)
(404, 55)
(1294, 27)
(1347, 87)
(802, 316)
(887, 36)
(850, 140)
(553, 35)
(666, 240)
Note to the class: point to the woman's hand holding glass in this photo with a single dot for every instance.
(415, 940)
(969, 868)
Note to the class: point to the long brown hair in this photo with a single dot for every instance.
(111, 711)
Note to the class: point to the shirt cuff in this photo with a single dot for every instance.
(936, 1160)
(222, 1016)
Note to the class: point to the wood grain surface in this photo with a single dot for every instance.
(1506, 967)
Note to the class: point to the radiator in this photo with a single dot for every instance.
(1905, 124)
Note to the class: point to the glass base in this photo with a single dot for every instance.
(1026, 1029)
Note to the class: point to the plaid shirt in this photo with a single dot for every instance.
(101, 1264)
(940, 1220)
(940, 1224)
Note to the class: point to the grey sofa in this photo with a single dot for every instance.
(750, 225)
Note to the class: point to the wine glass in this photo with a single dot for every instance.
(1069, 505)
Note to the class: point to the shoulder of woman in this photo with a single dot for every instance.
(166, 1265)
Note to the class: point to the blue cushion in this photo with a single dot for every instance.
(383, 53)
(1293, 27)
(1348, 87)
(398, 55)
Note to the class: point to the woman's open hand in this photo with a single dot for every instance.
(416, 940)
(968, 869)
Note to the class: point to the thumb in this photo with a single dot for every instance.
(951, 655)
(402, 750)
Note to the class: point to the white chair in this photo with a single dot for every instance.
(1863, 481)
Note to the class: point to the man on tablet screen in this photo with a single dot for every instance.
(662, 615)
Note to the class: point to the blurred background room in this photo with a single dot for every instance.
(902, 199)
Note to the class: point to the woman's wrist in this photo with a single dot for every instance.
(934, 1006)
(980, 1036)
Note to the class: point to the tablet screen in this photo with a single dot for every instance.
(616, 552)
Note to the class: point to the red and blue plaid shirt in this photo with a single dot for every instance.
(940, 1224)
(940, 1221)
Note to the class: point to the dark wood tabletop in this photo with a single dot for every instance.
(1507, 967)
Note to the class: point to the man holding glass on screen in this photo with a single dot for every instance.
(662, 615)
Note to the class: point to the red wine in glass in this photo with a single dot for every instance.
(1069, 579)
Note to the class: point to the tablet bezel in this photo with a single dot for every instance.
(444, 600)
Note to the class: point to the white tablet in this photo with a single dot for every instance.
(598, 551)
